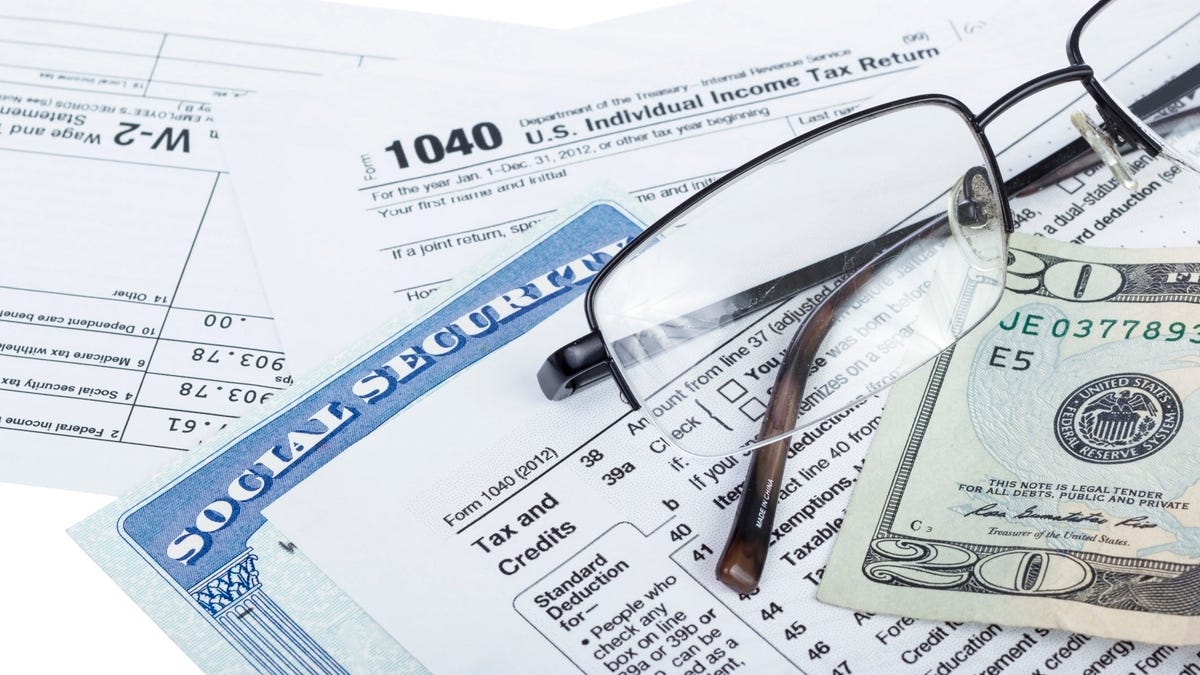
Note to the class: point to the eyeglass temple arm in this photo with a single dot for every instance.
(1173, 91)
(585, 360)
(741, 563)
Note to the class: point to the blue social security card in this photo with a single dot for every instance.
(192, 546)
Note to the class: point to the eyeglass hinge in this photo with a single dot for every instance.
(573, 367)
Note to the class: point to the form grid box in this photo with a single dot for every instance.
(753, 408)
(731, 390)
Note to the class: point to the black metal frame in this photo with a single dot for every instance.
(587, 359)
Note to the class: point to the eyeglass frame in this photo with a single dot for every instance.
(587, 360)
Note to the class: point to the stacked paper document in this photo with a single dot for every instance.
(284, 286)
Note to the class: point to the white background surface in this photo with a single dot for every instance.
(58, 612)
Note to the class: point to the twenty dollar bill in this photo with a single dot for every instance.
(1044, 470)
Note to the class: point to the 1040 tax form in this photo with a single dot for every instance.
(402, 197)
(572, 536)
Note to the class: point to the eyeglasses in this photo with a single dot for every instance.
(761, 310)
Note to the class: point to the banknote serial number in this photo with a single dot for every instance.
(1037, 325)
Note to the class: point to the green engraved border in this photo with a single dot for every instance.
(1111, 572)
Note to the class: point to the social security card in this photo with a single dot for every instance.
(192, 546)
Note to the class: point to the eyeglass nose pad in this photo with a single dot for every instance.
(974, 216)
(1105, 148)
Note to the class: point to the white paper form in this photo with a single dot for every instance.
(582, 540)
(133, 322)
(415, 199)
(126, 260)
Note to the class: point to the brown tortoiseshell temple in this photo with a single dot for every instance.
(741, 563)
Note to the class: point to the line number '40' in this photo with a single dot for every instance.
(430, 149)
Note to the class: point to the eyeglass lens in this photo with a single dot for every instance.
(699, 319)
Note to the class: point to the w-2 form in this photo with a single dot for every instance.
(132, 324)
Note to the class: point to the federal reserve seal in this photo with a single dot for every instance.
(1118, 418)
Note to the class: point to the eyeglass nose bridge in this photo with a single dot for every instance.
(1115, 123)
(1027, 89)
